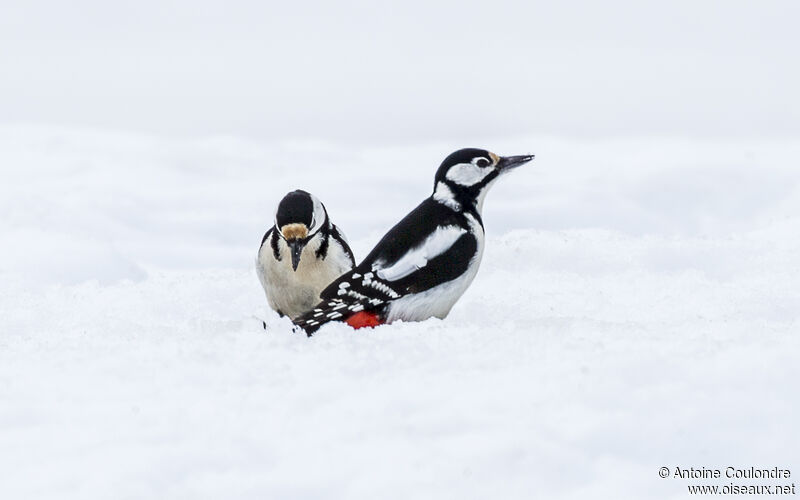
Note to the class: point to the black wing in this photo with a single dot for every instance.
(406, 260)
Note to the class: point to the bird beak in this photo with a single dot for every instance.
(510, 162)
(296, 247)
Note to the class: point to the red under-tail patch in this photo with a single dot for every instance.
(362, 319)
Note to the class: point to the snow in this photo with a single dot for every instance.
(637, 307)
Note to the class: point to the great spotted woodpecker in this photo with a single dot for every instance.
(423, 265)
(301, 254)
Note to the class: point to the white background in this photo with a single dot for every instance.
(637, 305)
(399, 72)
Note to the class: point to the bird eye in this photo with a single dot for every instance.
(482, 162)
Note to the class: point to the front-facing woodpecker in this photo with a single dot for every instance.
(301, 254)
(423, 265)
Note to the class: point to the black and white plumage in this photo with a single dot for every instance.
(301, 254)
(423, 265)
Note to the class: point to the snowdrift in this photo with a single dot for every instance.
(637, 307)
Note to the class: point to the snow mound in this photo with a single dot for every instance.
(628, 315)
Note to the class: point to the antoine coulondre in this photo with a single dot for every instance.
(732, 472)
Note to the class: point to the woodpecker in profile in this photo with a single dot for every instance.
(301, 254)
(423, 265)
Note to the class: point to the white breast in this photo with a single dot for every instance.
(296, 292)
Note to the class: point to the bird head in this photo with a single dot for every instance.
(466, 175)
(299, 218)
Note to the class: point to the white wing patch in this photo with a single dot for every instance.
(417, 258)
(467, 174)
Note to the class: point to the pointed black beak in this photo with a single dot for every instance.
(296, 248)
(509, 162)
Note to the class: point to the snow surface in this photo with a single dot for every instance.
(637, 307)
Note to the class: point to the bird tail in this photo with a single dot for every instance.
(352, 313)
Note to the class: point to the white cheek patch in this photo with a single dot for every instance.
(467, 174)
(318, 218)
